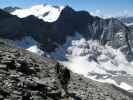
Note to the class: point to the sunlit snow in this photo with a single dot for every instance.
(30, 44)
(48, 13)
(91, 59)
(129, 24)
(35, 49)
(126, 86)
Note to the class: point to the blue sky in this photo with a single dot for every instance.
(99, 7)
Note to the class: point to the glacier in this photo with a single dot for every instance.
(95, 61)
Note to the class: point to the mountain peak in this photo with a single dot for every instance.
(10, 9)
(46, 12)
(4, 14)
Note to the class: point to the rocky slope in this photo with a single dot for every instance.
(27, 76)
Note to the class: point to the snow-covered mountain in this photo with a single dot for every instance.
(97, 48)
(48, 13)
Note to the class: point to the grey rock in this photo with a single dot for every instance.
(44, 82)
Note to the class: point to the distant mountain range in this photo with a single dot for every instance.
(127, 20)
(10, 9)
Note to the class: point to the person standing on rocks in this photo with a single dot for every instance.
(63, 75)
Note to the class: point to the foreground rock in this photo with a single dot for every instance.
(26, 76)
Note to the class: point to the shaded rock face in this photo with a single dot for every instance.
(4, 15)
(51, 35)
(26, 76)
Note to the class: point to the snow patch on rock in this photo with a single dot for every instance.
(129, 24)
(35, 49)
(125, 86)
(29, 44)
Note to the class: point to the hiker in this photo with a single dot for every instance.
(63, 75)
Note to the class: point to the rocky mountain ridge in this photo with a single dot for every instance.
(107, 31)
